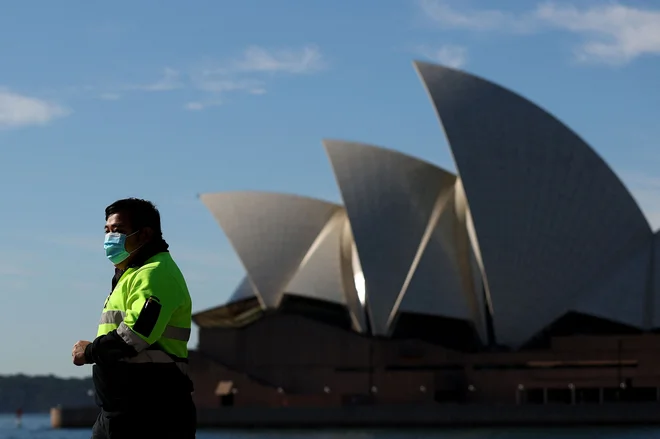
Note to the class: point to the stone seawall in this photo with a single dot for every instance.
(401, 416)
(73, 418)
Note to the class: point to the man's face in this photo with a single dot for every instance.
(120, 223)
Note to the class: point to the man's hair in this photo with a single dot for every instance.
(141, 213)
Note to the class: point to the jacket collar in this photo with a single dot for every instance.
(144, 254)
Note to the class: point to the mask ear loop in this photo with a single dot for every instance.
(128, 236)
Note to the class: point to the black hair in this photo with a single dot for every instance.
(141, 213)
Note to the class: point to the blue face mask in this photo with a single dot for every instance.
(115, 247)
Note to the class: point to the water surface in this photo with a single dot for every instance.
(38, 427)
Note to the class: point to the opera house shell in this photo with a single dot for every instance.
(535, 234)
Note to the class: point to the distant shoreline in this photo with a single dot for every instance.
(38, 394)
(40, 412)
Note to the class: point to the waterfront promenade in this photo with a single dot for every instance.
(448, 416)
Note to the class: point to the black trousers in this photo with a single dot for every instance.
(172, 423)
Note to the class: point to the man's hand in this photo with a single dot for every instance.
(78, 352)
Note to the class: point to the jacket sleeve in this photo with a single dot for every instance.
(108, 348)
(150, 304)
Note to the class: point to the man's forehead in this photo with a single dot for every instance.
(118, 220)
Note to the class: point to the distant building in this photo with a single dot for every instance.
(529, 277)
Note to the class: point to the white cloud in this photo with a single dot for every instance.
(446, 16)
(611, 33)
(243, 74)
(202, 105)
(110, 96)
(17, 111)
(247, 74)
(218, 81)
(194, 106)
(300, 61)
(171, 80)
(448, 55)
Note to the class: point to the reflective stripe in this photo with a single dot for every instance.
(150, 356)
(156, 356)
(131, 338)
(112, 317)
(173, 332)
(181, 334)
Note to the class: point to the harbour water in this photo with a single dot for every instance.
(38, 427)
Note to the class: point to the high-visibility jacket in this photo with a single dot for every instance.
(150, 304)
(141, 348)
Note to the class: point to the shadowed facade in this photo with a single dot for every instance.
(551, 218)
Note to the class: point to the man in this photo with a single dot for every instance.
(140, 352)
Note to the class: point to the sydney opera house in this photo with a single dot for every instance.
(529, 277)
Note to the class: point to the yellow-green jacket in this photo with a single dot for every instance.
(140, 352)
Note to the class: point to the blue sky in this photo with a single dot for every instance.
(167, 99)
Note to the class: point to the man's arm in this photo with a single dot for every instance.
(149, 308)
(108, 348)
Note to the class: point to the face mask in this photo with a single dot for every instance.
(115, 247)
